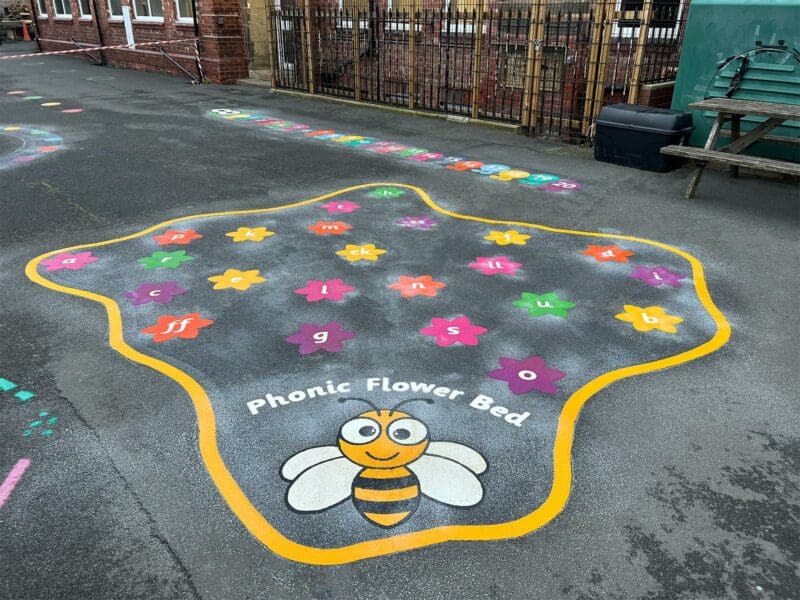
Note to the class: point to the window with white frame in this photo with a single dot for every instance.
(86, 11)
(62, 8)
(665, 18)
(185, 11)
(42, 8)
(148, 10)
(115, 9)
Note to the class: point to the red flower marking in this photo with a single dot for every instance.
(607, 253)
(185, 326)
(329, 227)
(417, 286)
(175, 236)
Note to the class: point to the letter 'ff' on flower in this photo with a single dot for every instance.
(329, 227)
(492, 265)
(333, 289)
(174, 236)
(355, 253)
(185, 326)
(250, 234)
(647, 319)
(312, 337)
(417, 286)
(72, 262)
(544, 304)
(341, 207)
(460, 330)
(607, 253)
(236, 279)
(504, 238)
(168, 260)
(527, 374)
(386, 192)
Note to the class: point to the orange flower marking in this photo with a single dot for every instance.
(169, 326)
(329, 227)
(647, 319)
(417, 286)
(174, 236)
(607, 253)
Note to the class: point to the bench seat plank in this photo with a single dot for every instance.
(740, 160)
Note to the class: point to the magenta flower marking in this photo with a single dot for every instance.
(341, 207)
(527, 374)
(332, 289)
(494, 265)
(65, 260)
(313, 337)
(460, 330)
(421, 222)
(160, 293)
(656, 276)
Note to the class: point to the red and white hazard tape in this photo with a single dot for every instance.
(95, 48)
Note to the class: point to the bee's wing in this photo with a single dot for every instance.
(322, 485)
(460, 453)
(447, 481)
(308, 458)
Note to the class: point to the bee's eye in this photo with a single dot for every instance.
(360, 431)
(408, 431)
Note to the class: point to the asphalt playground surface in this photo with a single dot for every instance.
(684, 481)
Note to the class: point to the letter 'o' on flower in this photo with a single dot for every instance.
(649, 318)
(329, 227)
(527, 374)
(313, 338)
(71, 262)
(354, 253)
(184, 326)
(332, 289)
(423, 285)
(447, 332)
(607, 253)
(504, 238)
(250, 234)
(175, 236)
(236, 279)
(492, 265)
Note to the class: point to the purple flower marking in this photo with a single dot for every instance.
(161, 293)
(527, 374)
(656, 276)
(313, 337)
(420, 222)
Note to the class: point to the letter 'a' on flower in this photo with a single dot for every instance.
(71, 262)
(354, 253)
(236, 279)
(504, 238)
(250, 234)
(649, 318)
(184, 326)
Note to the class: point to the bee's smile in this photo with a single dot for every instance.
(368, 453)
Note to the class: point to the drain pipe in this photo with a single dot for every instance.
(100, 39)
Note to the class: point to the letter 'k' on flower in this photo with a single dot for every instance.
(250, 234)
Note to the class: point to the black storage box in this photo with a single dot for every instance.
(632, 135)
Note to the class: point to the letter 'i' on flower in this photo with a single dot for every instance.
(649, 318)
(71, 262)
(656, 276)
(184, 326)
(354, 253)
(504, 238)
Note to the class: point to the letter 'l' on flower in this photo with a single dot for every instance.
(647, 319)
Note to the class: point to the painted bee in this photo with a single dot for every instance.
(385, 461)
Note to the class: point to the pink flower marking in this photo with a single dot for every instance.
(65, 260)
(454, 331)
(332, 289)
(494, 265)
(345, 207)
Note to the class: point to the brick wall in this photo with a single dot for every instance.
(221, 40)
(657, 94)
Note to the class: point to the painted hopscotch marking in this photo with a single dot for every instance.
(21, 395)
(13, 479)
(35, 144)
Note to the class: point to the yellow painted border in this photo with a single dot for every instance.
(278, 543)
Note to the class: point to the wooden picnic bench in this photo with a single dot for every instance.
(731, 109)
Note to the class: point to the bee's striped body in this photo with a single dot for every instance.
(386, 497)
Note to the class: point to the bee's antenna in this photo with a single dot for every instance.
(375, 408)
(399, 404)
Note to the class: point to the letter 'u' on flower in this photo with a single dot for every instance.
(649, 318)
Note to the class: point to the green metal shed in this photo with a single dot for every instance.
(722, 37)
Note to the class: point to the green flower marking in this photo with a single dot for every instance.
(544, 304)
(386, 192)
(168, 260)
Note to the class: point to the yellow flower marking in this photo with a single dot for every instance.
(250, 234)
(11, 128)
(647, 319)
(238, 280)
(355, 253)
(504, 238)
